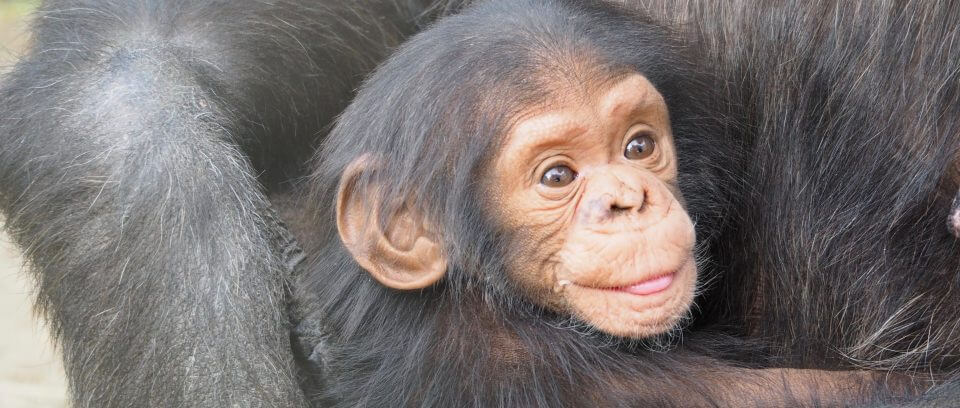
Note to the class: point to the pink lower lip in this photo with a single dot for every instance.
(651, 286)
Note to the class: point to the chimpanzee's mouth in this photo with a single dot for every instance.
(649, 286)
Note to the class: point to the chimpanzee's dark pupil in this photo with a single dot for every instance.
(640, 147)
(558, 176)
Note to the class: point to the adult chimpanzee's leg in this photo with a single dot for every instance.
(137, 137)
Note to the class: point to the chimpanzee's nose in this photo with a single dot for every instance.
(623, 199)
(628, 199)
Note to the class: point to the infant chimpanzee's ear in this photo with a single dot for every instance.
(403, 254)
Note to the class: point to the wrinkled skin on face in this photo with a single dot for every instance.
(589, 184)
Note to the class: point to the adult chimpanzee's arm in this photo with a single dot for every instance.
(133, 135)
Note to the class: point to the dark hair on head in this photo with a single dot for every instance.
(432, 116)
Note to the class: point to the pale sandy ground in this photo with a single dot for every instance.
(31, 375)
(30, 371)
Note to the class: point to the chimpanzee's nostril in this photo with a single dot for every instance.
(616, 209)
(625, 205)
(629, 200)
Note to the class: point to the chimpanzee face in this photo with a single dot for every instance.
(589, 186)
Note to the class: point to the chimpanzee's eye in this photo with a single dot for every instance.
(640, 147)
(558, 176)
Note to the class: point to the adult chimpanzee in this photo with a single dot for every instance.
(509, 179)
(138, 137)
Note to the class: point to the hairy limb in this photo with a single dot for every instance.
(797, 387)
(695, 380)
(684, 379)
(134, 134)
(140, 217)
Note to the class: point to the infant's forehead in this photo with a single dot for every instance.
(573, 110)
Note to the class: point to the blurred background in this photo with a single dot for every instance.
(31, 374)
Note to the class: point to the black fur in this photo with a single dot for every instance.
(837, 252)
(144, 143)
